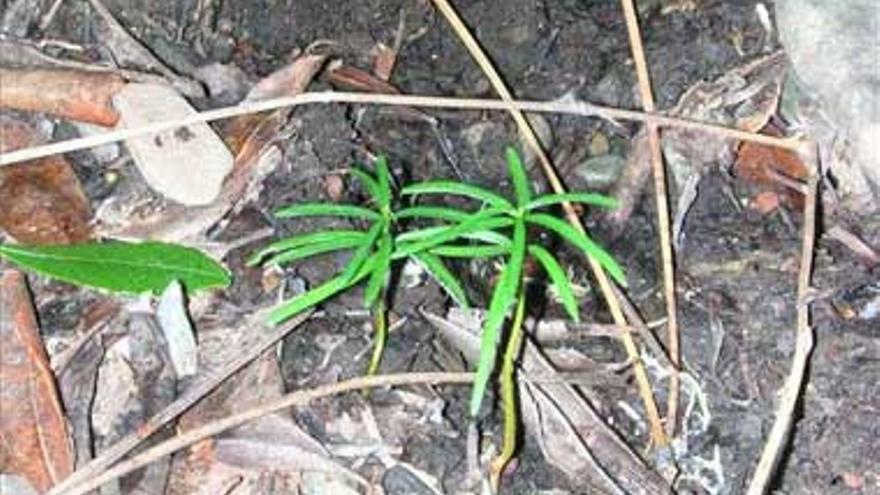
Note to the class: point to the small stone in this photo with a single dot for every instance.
(599, 145)
(601, 172)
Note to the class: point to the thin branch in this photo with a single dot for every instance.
(638, 53)
(298, 398)
(780, 433)
(605, 284)
(192, 395)
(325, 97)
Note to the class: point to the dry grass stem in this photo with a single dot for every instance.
(663, 225)
(324, 97)
(777, 440)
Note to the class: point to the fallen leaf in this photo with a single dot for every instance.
(383, 64)
(775, 169)
(765, 202)
(187, 164)
(72, 94)
(41, 201)
(35, 442)
(352, 78)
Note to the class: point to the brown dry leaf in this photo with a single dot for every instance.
(72, 94)
(354, 79)
(35, 442)
(771, 168)
(41, 201)
(765, 202)
(383, 65)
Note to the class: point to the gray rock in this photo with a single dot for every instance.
(833, 47)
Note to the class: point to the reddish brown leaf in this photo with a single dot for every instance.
(71, 94)
(765, 202)
(41, 201)
(383, 65)
(771, 168)
(35, 441)
(352, 78)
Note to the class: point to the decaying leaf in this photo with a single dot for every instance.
(34, 441)
(41, 201)
(79, 95)
(572, 435)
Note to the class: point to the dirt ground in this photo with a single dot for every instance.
(736, 268)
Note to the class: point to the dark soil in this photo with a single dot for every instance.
(736, 270)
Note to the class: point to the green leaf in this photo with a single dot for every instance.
(308, 250)
(503, 297)
(587, 198)
(319, 294)
(384, 183)
(326, 210)
(520, 179)
(117, 266)
(435, 267)
(459, 189)
(581, 241)
(363, 252)
(557, 276)
(368, 182)
(481, 221)
(420, 234)
(433, 212)
(469, 251)
(379, 277)
(321, 237)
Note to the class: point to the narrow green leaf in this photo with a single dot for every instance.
(363, 252)
(557, 276)
(594, 199)
(321, 237)
(520, 179)
(368, 181)
(309, 250)
(420, 234)
(469, 251)
(433, 212)
(379, 277)
(581, 241)
(328, 289)
(118, 266)
(482, 221)
(503, 297)
(459, 189)
(435, 267)
(383, 175)
(326, 210)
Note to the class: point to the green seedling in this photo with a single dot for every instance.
(517, 216)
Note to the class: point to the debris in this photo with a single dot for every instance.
(72, 94)
(173, 319)
(135, 381)
(33, 428)
(188, 164)
(41, 202)
(556, 414)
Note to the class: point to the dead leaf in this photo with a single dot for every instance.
(41, 201)
(774, 170)
(79, 95)
(35, 442)
(383, 64)
(354, 79)
(765, 202)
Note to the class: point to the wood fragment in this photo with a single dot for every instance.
(34, 441)
(84, 96)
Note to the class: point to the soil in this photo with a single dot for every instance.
(736, 268)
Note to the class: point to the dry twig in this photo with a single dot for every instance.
(565, 107)
(638, 52)
(605, 285)
(779, 436)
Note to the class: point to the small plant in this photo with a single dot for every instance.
(495, 227)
